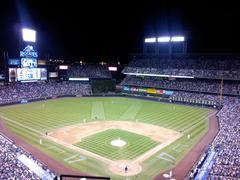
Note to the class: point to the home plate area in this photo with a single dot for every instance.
(125, 167)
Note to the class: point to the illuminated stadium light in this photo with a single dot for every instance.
(150, 40)
(177, 38)
(53, 74)
(159, 75)
(78, 79)
(65, 67)
(112, 68)
(29, 35)
(163, 39)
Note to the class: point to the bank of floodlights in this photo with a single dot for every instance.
(177, 39)
(165, 39)
(29, 35)
(150, 40)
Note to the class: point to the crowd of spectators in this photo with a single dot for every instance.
(197, 66)
(17, 92)
(197, 96)
(227, 142)
(195, 85)
(12, 168)
(88, 70)
(226, 145)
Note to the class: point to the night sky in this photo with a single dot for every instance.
(70, 30)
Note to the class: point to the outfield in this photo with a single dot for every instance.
(32, 121)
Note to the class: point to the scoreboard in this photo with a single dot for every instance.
(26, 67)
(28, 62)
(27, 74)
(24, 74)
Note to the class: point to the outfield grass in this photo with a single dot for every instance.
(32, 120)
(100, 143)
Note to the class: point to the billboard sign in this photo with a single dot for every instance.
(28, 51)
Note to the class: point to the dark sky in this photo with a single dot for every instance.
(69, 30)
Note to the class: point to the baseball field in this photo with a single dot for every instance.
(102, 135)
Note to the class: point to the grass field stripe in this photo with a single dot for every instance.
(52, 121)
(33, 122)
(131, 111)
(176, 122)
(164, 117)
(98, 110)
(182, 122)
(19, 124)
(191, 126)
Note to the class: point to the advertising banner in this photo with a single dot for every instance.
(160, 91)
(151, 91)
(142, 90)
(125, 88)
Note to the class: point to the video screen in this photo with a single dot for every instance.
(25, 74)
(43, 72)
(14, 62)
(28, 63)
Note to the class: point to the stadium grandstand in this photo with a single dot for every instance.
(166, 114)
(17, 163)
(90, 71)
(206, 86)
(41, 90)
(191, 79)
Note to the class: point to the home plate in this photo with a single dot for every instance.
(118, 167)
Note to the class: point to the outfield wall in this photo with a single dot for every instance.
(127, 95)
(24, 101)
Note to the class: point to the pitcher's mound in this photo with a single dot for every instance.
(118, 143)
(118, 167)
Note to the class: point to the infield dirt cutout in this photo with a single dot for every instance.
(70, 135)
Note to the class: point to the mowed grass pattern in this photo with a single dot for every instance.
(99, 143)
(31, 121)
(52, 114)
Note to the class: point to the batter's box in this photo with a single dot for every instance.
(167, 157)
(56, 149)
(179, 148)
(75, 158)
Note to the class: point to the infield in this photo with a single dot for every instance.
(94, 139)
(100, 143)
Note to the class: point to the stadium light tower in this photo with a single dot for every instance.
(166, 45)
(163, 39)
(29, 35)
(150, 40)
(177, 39)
